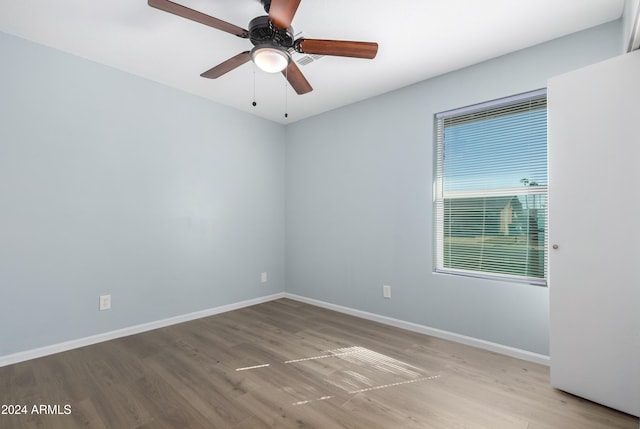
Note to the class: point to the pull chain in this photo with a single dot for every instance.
(254, 86)
(286, 75)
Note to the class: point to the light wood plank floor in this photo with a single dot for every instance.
(285, 364)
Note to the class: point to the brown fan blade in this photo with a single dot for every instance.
(296, 79)
(194, 15)
(227, 66)
(340, 48)
(281, 12)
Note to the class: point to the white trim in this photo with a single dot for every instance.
(414, 327)
(124, 332)
(633, 42)
(438, 333)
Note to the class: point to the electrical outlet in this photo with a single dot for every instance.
(105, 302)
(263, 277)
(386, 291)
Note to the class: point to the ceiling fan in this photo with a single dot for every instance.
(273, 41)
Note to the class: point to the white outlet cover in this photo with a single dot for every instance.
(105, 302)
(386, 291)
(263, 277)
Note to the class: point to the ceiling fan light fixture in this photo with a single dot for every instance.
(270, 58)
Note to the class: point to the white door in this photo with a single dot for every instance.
(594, 220)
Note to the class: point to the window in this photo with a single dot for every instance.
(490, 189)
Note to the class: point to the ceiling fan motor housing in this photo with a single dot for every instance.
(262, 32)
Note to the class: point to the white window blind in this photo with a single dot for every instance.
(490, 189)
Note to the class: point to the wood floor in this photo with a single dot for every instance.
(285, 364)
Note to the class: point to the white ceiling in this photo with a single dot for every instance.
(418, 39)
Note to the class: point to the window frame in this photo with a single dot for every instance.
(439, 194)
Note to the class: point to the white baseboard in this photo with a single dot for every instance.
(111, 335)
(81, 342)
(470, 341)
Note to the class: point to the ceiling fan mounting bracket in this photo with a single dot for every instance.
(266, 4)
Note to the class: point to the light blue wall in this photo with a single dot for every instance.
(359, 201)
(112, 184)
